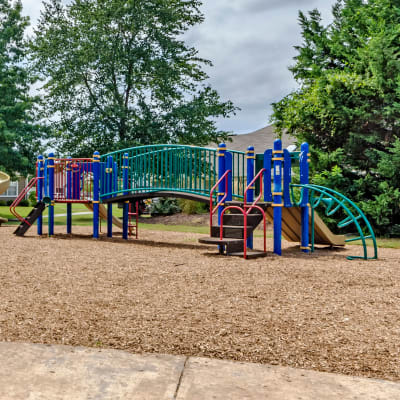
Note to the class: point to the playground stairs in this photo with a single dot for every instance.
(233, 231)
(30, 219)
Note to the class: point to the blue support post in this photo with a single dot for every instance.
(221, 171)
(96, 193)
(304, 180)
(50, 169)
(39, 185)
(125, 177)
(69, 196)
(277, 195)
(221, 187)
(250, 157)
(110, 184)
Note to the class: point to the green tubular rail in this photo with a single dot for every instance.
(333, 202)
(178, 168)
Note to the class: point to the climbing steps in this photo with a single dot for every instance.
(27, 222)
(232, 243)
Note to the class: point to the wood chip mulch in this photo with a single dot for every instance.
(167, 294)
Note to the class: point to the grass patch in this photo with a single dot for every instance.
(175, 228)
(86, 220)
(81, 220)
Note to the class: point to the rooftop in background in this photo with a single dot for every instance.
(261, 139)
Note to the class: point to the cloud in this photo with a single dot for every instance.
(270, 5)
(250, 43)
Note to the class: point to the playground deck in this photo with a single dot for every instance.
(168, 294)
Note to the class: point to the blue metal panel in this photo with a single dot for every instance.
(267, 176)
(287, 178)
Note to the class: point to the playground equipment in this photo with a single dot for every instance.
(4, 184)
(243, 190)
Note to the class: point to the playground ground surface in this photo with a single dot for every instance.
(167, 294)
(197, 223)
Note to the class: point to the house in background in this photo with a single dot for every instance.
(15, 188)
(261, 139)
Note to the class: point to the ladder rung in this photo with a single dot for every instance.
(329, 213)
(358, 238)
(347, 221)
(353, 239)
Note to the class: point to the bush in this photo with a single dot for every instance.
(9, 202)
(192, 207)
(24, 203)
(32, 198)
(3, 203)
(164, 206)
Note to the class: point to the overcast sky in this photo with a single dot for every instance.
(250, 43)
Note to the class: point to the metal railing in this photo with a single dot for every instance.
(177, 168)
(73, 180)
(213, 210)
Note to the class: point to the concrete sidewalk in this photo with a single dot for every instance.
(42, 372)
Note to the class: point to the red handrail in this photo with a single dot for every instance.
(18, 200)
(258, 176)
(213, 210)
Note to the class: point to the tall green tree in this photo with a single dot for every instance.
(19, 134)
(348, 102)
(118, 73)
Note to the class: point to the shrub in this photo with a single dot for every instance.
(3, 203)
(164, 206)
(9, 202)
(24, 203)
(192, 207)
(32, 198)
